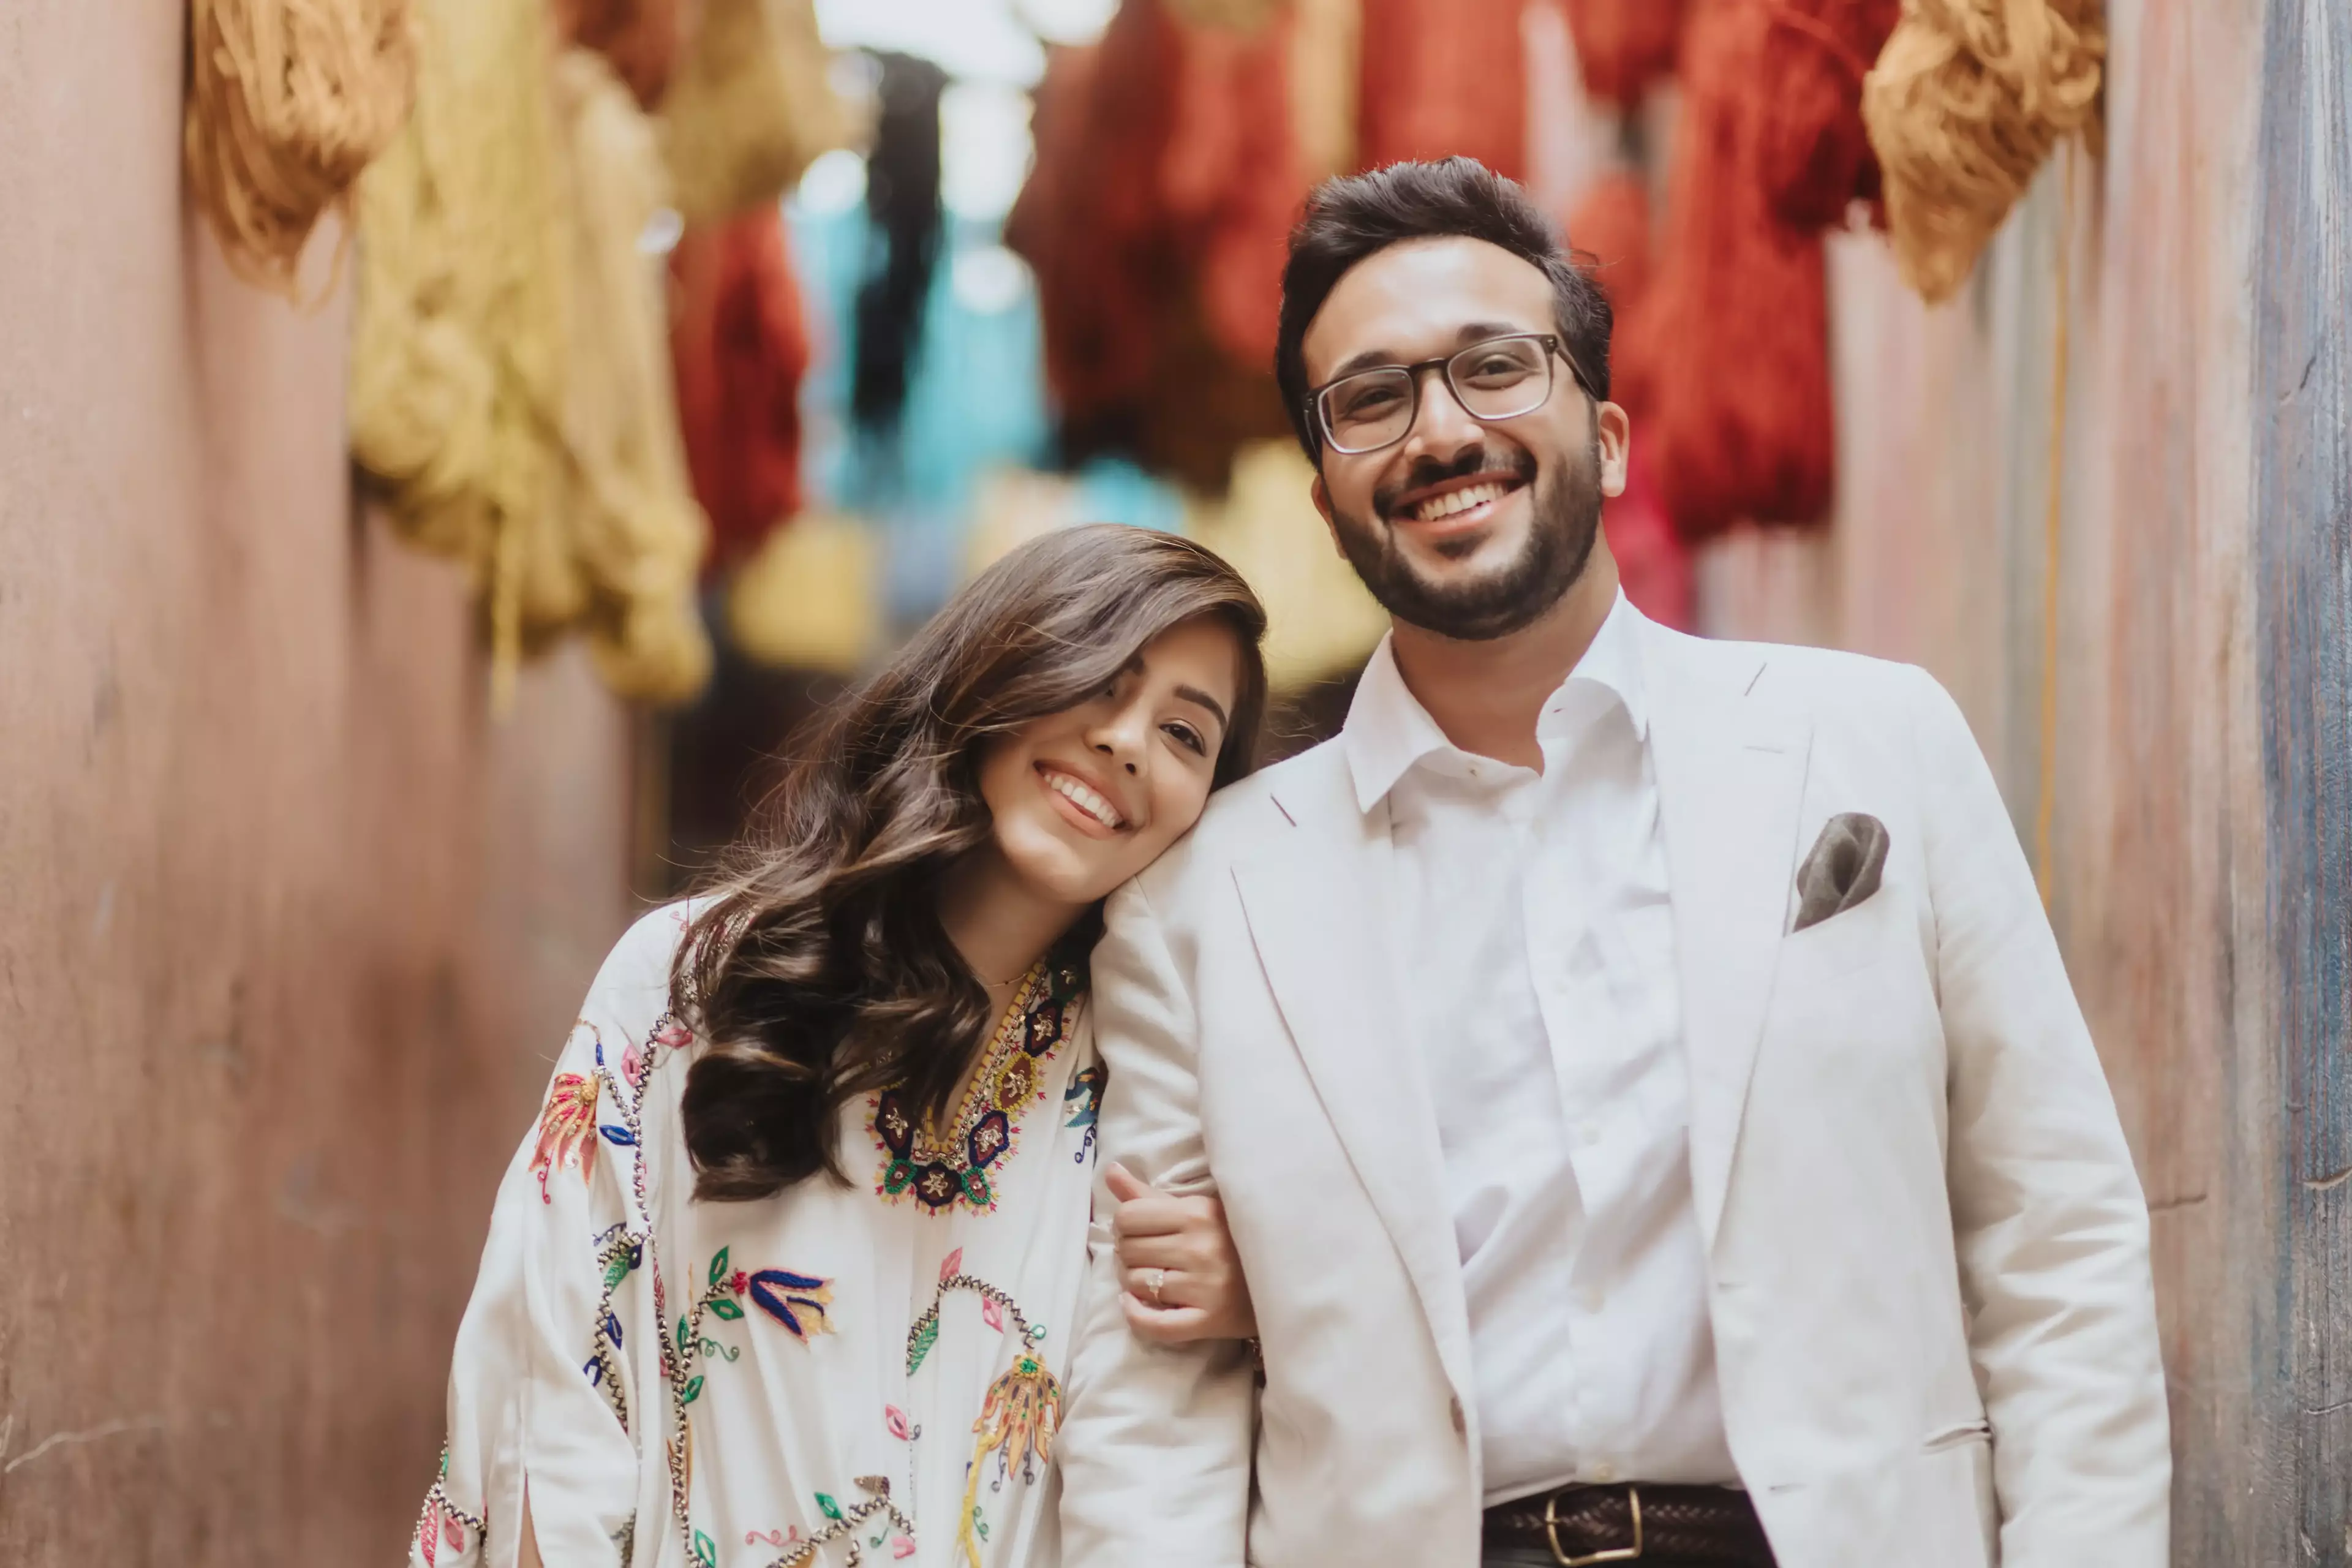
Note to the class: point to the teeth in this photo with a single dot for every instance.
(1454, 501)
(1086, 800)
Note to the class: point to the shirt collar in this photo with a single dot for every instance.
(1387, 731)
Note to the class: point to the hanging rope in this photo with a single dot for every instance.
(288, 102)
(2046, 802)
(1966, 101)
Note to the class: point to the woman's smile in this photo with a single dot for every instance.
(1081, 803)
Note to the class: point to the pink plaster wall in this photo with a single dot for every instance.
(2167, 878)
(290, 926)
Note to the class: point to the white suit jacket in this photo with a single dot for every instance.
(1928, 1252)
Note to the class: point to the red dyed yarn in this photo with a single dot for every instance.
(1087, 219)
(738, 345)
(1231, 179)
(1623, 45)
(1155, 218)
(1440, 78)
(1739, 330)
(1812, 149)
(640, 37)
(1610, 229)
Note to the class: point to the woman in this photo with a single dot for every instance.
(786, 1273)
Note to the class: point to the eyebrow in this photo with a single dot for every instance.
(1470, 332)
(1193, 694)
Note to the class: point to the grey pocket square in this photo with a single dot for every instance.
(1841, 869)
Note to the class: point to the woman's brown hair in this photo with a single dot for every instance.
(820, 970)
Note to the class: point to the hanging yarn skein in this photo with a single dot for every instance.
(634, 534)
(750, 106)
(906, 224)
(1968, 98)
(458, 350)
(1735, 339)
(1811, 145)
(1623, 45)
(287, 101)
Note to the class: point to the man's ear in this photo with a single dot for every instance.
(1322, 498)
(1613, 434)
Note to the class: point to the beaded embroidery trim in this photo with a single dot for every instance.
(937, 1176)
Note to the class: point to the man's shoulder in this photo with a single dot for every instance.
(1828, 684)
(1242, 816)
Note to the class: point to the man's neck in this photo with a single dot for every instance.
(1486, 696)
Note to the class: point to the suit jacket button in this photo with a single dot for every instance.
(1461, 1426)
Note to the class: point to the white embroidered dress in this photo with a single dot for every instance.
(837, 1375)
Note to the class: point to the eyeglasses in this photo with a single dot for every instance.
(1498, 378)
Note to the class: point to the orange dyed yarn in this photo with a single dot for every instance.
(1738, 335)
(1440, 78)
(739, 348)
(1813, 148)
(1623, 45)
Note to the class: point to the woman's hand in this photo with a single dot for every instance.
(1176, 1260)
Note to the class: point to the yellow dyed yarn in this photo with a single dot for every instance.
(1228, 16)
(750, 108)
(1966, 99)
(812, 597)
(510, 394)
(287, 101)
(634, 532)
(458, 349)
(1320, 620)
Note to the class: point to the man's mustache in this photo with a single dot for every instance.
(1520, 464)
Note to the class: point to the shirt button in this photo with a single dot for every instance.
(1589, 1299)
(1589, 1133)
(1601, 1472)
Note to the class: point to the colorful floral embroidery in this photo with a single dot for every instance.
(566, 1128)
(844, 1523)
(444, 1521)
(937, 1176)
(1023, 1407)
(1083, 1100)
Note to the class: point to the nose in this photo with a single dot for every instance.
(1119, 736)
(1440, 425)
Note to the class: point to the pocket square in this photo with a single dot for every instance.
(1841, 869)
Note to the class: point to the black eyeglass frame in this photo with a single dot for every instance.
(1443, 364)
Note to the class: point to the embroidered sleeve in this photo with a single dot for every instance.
(542, 1399)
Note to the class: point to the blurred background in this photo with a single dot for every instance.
(446, 447)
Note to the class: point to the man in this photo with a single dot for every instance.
(1644, 1087)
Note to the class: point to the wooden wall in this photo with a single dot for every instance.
(2197, 778)
(290, 927)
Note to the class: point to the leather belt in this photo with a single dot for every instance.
(1665, 1526)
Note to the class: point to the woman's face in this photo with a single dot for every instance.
(1086, 798)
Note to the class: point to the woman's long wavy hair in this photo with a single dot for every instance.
(819, 970)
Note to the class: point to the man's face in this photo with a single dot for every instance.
(1534, 482)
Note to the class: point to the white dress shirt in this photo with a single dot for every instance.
(1537, 949)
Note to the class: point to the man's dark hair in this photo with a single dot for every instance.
(1356, 215)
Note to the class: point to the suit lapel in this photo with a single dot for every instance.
(1731, 776)
(1318, 904)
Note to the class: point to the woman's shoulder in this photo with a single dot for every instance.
(635, 974)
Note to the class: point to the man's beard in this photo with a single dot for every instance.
(1567, 519)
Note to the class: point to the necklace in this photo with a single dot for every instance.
(939, 1174)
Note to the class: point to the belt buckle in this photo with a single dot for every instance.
(1614, 1554)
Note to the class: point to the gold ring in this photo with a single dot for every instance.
(1153, 1279)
